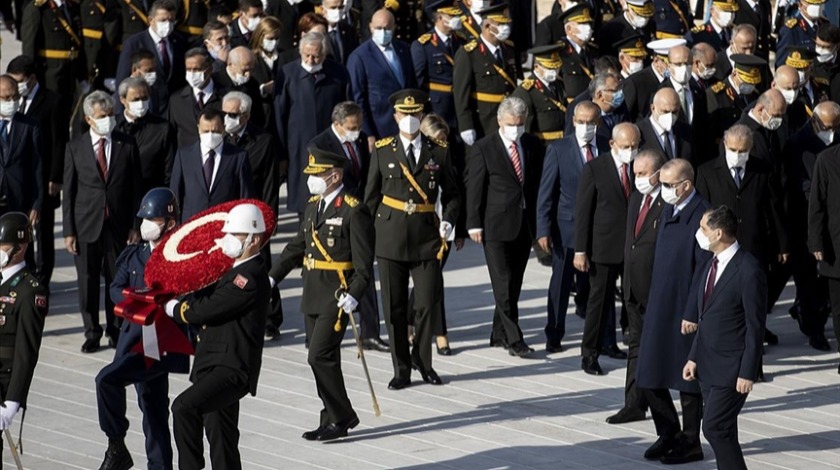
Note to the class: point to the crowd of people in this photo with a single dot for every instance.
(647, 150)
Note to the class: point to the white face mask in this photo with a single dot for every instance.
(150, 78)
(643, 185)
(351, 136)
(666, 121)
(584, 32)
(317, 186)
(746, 88)
(409, 125)
(4, 259)
(269, 45)
(814, 11)
(585, 132)
(104, 126)
(502, 32)
(634, 67)
(216, 51)
(702, 239)
(625, 155)
(231, 246)
(311, 68)
(23, 88)
(333, 15)
(790, 95)
(773, 123)
(138, 109)
(239, 79)
(802, 79)
(550, 75)
(455, 23)
(9, 108)
(826, 136)
(253, 23)
(638, 21)
(232, 125)
(824, 54)
(669, 195)
(725, 18)
(210, 140)
(513, 133)
(163, 28)
(478, 5)
(679, 74)
(707, 73)
(195, 79)
(382, 37)
(150, 231)
(736, 159)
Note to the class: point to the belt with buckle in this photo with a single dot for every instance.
(57, 54)
(409, 207)
(312, 264)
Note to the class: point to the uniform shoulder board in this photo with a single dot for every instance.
(424, 38)
(470, 46)
(39, 3)
(508, 42)
(790, 23)
(717, 87)
(383, 142)
(314, 199)
(528, 83)
(440, 143)
(350, 200)
(821, 80)
(698, 28)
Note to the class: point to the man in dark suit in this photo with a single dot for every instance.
(217, 43)
(210, 171)
(43, 105)
(692, 104)
(343, 40)
(101, 195)
(289, 14)
(378, 68)
(640, 87)
(237, 77)
(605, 186)
(168, 48)
(765, 120)
(757, 13)
(663, 131)
(241, 29)
(228, 355)
(503, 170)
(153, 134)
(703, 58)
(605, 91)
(201, 92)
(730, 302)
(555, 216)
(644, 207)
(787, 82)
(408, 17)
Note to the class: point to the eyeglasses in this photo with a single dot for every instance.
(233, 115)
(672, 185)
(822, 127)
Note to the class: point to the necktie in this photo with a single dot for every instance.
(587, 150)
(409, 156)
(737, 176)
(710, 282)
(391, 56)
(200, 100)
(640, 220)
(625, 180)
(681, 94)
(4, 132)
(354, 159)
(498, 55)
(335, 38)
(164, 57)
(666, 145)
(209, 165)
(101, 162)
(702, 84)
(517, 163)
(322, 206)
(65, 9)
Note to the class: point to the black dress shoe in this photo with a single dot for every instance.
(117, 456)
(520, 349)
(684, 452)
(498, 343)
(591, 366)
(614, 352)
(760, 376)
(659, 448)
(272, 332)
(819, 342)
(553, 347)
(770, 338)
(398, 384)
(626, 415)
(313, 434)
(90, 346)
(338, 430)
(431, 377)
(444, 351)
(375, 344)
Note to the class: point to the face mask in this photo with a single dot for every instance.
(253, 23)
(667, 120)
(150, 231)
(570, 5)
(725, 18)
(351, 136)
(382, 37)
(638, 21)
(702, 239)
(104, 126)
(409, 125)
(216, 51)
(333, 15)
(790, 95)
(311, 68)
(736, 159)
(746, 88)
(269, 45)
(679, 74)
(707, 73)
(150, 78)
(643, 185)
(239, 79)
(195, 79)
(232, 125)
(584, 32)
(316, 185)
(502, 32)
(478, 5)
(772, 123)
(634, 67)
(669, 195)
(210, 140)
(826, 136)
(4, 259)
(617, 99)
(550, 75)
(626, 156)
(23, 88)
(231, 246)
(8, 108)
(513, 133)
(138, 109)
(802, 79)
(824, 54)
(585, 132)
(814, 11)
(454, 23)
(163, 28)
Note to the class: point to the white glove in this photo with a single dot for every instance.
(445, 229)
(468, 137)
(110, 84)
(347, 303)
(170, 307)
(7, 414)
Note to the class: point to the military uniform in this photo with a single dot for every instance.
(434, 65)
(797, 32)
(578, 67)
(725, 106)
(619, 28)
(672, 18)
(471, 27)
(546, 102)
(408, 16)
(707, 33)
(335, 243)
(99, 33)
(192, 16)
(134, 17)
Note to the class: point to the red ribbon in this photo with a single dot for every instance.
(145, 307)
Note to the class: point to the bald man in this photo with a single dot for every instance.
(787, 83)
(679, 70)
(766, 120)
(663, 131)
(237, 77)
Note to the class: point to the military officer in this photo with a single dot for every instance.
(408, 17)
(409, 172)
(811, 91)
(134, 17)
(717, 32)
(631, 55)
(23, 307)
(470, 20)
(635, 21)
(580, 52)
(485, 72)
(544, 95)
(99, 31)
(672, 18)
(191, 17)
(335, 243)
(727, 99)
(801, 29)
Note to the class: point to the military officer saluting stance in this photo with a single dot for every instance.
(23, 306)
(335, 243)
(408, 173)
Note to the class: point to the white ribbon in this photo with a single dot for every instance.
(150, 342)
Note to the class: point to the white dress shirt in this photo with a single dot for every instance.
(679, 207)
(205, 154)
(10, 271)
(417, 143)
(660, 135)
(592, 148)
(27, 101)
(157, 39)
(207, 90)
(724, 257)
(689, 99)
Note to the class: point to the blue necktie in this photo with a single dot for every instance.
(394, 62)
(4, 132)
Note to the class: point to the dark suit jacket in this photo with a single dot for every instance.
(165, 85)
(601, 211)
(224, 84)
(261, 147)
(21, 176)
(237, 37)
(728, 344)
(800, 157)
(86, 196)
(639, 250)
(496, 201)
(639, 89)
(603, 132)
(233, 179)
(45, 109)
(680, 134)
(354, 184)
(184, 112)
(348, 42)
(232, 314)
(824, 211)
(289, 15)
(156, 144)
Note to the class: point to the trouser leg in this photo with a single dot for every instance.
(393, 277)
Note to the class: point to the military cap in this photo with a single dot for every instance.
(726, 5)
(409, 101)
(322, 160)
(662, 46)
(579, 13)
(642, 7)
(447, 7)
(498, 13)
(632, 46)
(799, 57)
(14, 228)
(748, 67)
(815, 2)
(547, 56)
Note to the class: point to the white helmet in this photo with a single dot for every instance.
(244, 218)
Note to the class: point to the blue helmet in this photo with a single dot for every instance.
(159, 202)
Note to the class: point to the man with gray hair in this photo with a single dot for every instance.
(154, 135)
(502, 181)
(99, 204)
(237, 77)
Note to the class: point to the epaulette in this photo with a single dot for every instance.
(508, 42)
(424, 38)
(39, 3)
(470, 46)
(314, 199)
(717, 87)
(350, 200)
(527, 84)
(698, 28)
(821, 80)
(383, 142)
(441, 143)
(591, 44)
(790, 23)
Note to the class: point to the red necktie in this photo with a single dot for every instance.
(353, 158)
(101, 161)
(640, 220)
(200, 100)
(588, 149)
(164, 58)
(517, 164)
(710, 282)
(625, 180)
